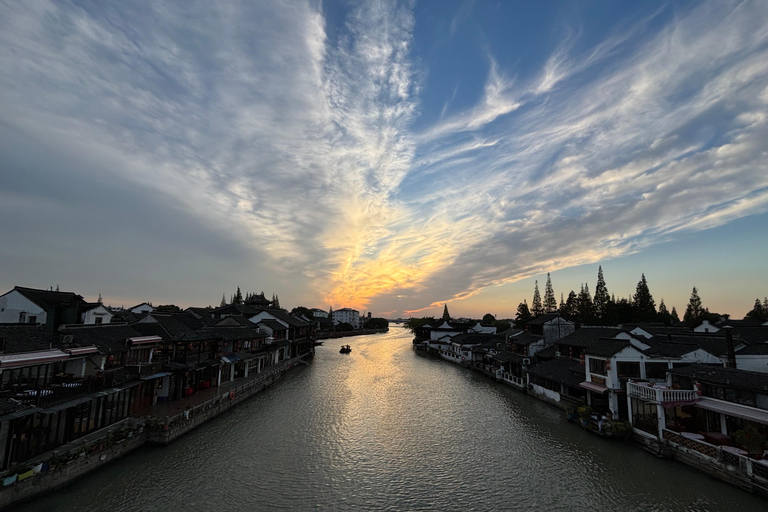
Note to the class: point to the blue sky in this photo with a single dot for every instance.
(389, 156)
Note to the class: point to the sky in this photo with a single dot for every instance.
(390, 156)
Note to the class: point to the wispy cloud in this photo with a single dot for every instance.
(290, 155)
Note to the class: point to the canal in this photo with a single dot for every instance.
(386, 428)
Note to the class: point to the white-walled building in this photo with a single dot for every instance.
(347, 315)
(95, 313)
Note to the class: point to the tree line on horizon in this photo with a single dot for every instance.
(604, 309)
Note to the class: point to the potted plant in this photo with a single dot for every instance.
(584, 413)
(620, 429)
(752, 441)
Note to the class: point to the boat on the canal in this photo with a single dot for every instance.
(345, 349)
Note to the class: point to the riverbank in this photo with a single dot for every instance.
(740, 471)
(160, 425)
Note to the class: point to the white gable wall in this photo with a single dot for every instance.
(89, 317)
(15, 307)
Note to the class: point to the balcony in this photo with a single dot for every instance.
(647, 393)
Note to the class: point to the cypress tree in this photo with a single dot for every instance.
(644, 305)
(561, 308)
(550, 303)
(446, 315)
(536, 307)
(694, 312)
(584, 301)
(600, 303)
(664, 316)
(572, 306)
(758, 313)
(223, 301)
(238, 298)
(675, 317)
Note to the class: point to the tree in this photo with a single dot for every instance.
(276, 302)
(571, 306)
(550, 303)
(536, 307)
(488, 319)
(100, 300)
(675, 317)
(523, 315)
(586, 313)
(758, 313)
(693, 312)
(446, 315)
(561, 308)
(624, 311)
(664, 316)
(644, 305)
(600, 302)
(238, 298)
(223, 301)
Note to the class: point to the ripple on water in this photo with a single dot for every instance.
(385, 428)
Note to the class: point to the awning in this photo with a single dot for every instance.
(229, 359)
(593, 387)
(30, 358)
(731, 409)
(156, 376)
(81, 351)
(145, 340)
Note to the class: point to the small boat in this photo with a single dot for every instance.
(345, 349)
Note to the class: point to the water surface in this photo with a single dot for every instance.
(386, 428)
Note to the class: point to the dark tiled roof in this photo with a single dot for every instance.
(607, 347)
(657, 329)
(586, 336)
(750, 333)
(232, 333)
(48, 299)
(755, 349)
(671, 349)
(714, 344)
(107, 337)
(291, 320)
(742, 379)
(273, 324)
(564, 371)
(236, 309)
(26, 337)
(546, 353)
(544, 318)
(200, 312)
(525, 339)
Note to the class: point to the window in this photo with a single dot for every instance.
(629, 370)
(98, 320)
(655, 370)
(597, 366)
(33, 319)
(22, 317)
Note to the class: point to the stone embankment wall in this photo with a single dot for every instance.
(163, 432)
(53, 470)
